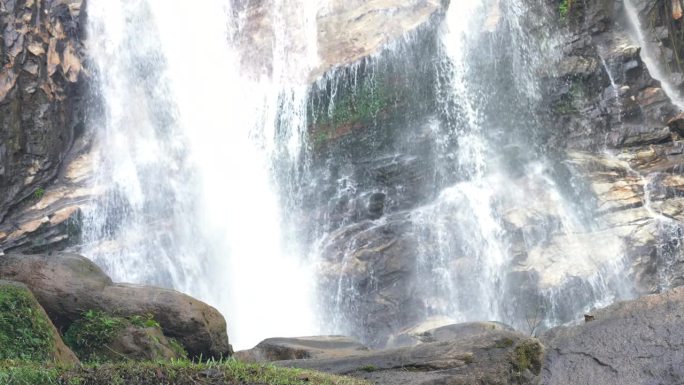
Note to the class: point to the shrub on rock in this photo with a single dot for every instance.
(101, 337)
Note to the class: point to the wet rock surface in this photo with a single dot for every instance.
(283, 349)
(635, 342)
(67, 285)
(631, 342)
(486, 356)
(345, 31)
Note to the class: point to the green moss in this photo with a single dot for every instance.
(25, 331)
(89, 336)
(504, 343)
(359, 105)
(368, 368)
(528, 355)
(180, 372)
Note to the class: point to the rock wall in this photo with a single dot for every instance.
(607, 126)
(42, 87)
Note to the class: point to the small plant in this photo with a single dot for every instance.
(564, 8)
(39, 193)
(89, 335)
(528, 355)
(368, 368)
(146, 321)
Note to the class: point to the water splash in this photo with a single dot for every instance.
(190, 144)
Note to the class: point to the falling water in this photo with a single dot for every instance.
(501, 238)
(209, 186)
(189, 142)
(648, 54)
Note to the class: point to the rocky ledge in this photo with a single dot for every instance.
(633, 342)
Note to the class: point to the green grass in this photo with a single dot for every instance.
(89, 336)
(25, 331)
(181, 372)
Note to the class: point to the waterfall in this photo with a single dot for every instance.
(502, 234)
(189, 143)
(649, 55)
(512, 213)
(224, 174)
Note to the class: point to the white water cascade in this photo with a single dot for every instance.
(188, 144)
(205, 166)
(507, 179)
(648, 53)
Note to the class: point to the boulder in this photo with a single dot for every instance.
(634, 342)
(482, 356)
(26, 332)
(67, 285)
(282, 349)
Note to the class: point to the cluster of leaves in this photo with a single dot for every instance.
(177, 372)
(90, 335)
(25, 331)
(565, 7)
(528, 355)
(87, 336)
(39, 193)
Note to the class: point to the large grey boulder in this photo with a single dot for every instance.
(67, 285)
(473, 356)
(298, 348)
(634, 342)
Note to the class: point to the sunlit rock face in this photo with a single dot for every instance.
(332, 32)
(42, 79)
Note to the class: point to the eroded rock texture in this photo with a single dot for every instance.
(42, 83)
(636, 342)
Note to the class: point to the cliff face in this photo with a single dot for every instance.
(389, 180)
(399, 243)
(42, 84)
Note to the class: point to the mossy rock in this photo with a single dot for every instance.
(26, 332)
(528, 355)
(101, 337)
